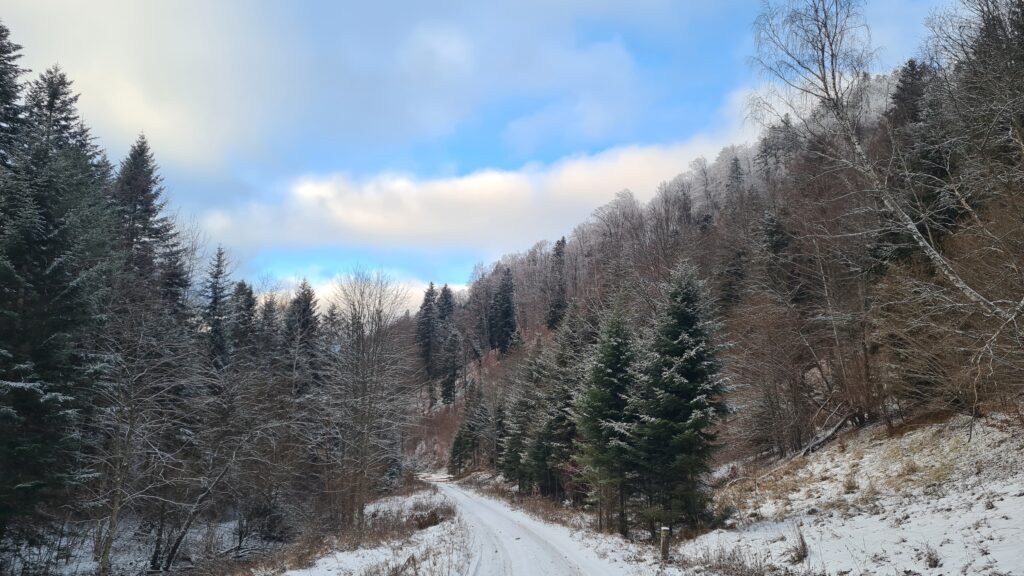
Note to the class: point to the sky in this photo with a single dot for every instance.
(420, 138)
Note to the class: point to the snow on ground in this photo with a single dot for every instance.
(940, 499)
(439, 550)
(937, 499)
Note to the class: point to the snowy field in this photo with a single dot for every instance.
(939, 499)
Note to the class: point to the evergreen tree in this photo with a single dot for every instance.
(557, 298)
(137, 193)
(451, 366)
(53, 248)
(10, 95)
(602, 417)
(301, 333)
(551, 453)
(502, 314)
(216, 310)
(268, 331)
(676, 402)
(426, 328)
(243, 320)
(445, 310)
(513, 464)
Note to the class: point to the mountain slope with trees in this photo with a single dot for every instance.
(859, 264)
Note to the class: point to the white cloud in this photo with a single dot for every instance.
(325, 287)
(192, 75)
(212, 82)
(493, 211)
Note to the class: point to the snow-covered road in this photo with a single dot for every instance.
(508, 542)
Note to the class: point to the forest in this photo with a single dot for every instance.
(861, 262)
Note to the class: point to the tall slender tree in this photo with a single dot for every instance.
(677, 401)
(603, 420)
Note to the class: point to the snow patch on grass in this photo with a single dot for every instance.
(938, 499)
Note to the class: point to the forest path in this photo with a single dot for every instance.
(508, 542)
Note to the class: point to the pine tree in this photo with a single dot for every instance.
(243, 320)
(677, 401)
(268, 332)
(451, 366)
(301, 334)
(551, 453)
(557, 298)
(53, 248)
(426, 328)
(445, 310)
(602, 417)
(137, 193)
(216, 311)
(513, 464)
(10, 94)
(502, 314)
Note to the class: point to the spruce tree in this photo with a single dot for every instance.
(53, 248)
(445, 309)
(216, 310)
(143, 230)
(451, 365)
(557, 298)
(301, 334)
(243, 320)
(502, 314)
(677, 401)
(426, 328)
(603, 420)
(10, 96)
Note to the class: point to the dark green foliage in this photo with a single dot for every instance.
(143, 232)
(426, 328)
(445, 310)
(557, 296)
(301, 332)
(502, 314)
(603, 421)
(53, 245)
(451, 365)
(464, 447)
(243, 320)
(10, 94)
(217, 310)
(676, 402)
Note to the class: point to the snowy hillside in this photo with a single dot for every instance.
(938, 499)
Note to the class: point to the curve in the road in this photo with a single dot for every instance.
(508, 542)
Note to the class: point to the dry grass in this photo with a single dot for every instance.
(379, 527)
(736, 561)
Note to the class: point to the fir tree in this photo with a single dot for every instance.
(677, 401)
(502, 314)
(557, 298)
(426, 328)
(243, 320)
(451, 366)
(137, 193)
(445, 310)
(53, 248)
(602, 417)
(301, 333)
(216, 310)
(10, 95)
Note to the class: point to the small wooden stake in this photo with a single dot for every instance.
(664, 543)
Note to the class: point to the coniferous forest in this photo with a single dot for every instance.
(862, 262)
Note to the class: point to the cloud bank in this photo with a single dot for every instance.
(495, 211)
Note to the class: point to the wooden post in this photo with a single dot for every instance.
(664, 543)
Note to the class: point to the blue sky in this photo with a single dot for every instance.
(417, 137)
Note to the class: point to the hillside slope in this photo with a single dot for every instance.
(934, 499)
